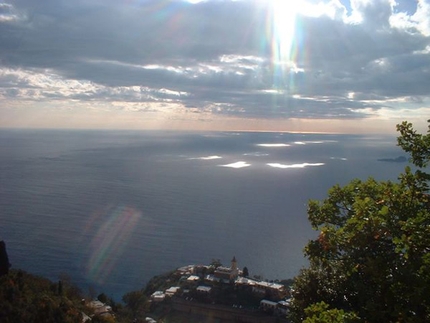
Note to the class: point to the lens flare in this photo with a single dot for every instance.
(111, 230)
(282, 33)
(284, 20)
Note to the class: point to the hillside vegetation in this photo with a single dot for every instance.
(29, 298)
(371, 260)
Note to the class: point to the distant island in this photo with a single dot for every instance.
(400, 159)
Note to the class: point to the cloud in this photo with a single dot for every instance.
(349, 60)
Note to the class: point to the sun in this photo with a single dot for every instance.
(283, 16)
(281, 34)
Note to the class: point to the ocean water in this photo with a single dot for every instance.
(113, 208)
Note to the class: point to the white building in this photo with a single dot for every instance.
(158, 296)
(172, 291)
(204, 289)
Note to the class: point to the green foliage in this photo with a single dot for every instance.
(321, 313)
(136, 303)
(28, 298)
(216, 263)
(160, 282)
(418, 145)
(372, 254)
(67, 287)
(102, 298)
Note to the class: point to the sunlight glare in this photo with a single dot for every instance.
(284, 20)
(282, 34)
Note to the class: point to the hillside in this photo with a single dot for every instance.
(28, 298)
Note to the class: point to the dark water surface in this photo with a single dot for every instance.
(111, 209)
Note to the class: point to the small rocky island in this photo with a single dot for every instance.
(400, 159)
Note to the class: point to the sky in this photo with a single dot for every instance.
(342, 66)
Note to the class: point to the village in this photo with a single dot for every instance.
(223, 292)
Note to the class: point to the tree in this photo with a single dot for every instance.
(418, 145)
(136, 302)
(321, 313)
(102, 298)
(28, 298)
(245, 272)
(216, 263)
(372, 256)
(4, 259)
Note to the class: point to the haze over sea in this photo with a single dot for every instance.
(114, 208)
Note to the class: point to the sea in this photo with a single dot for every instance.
(111, 209)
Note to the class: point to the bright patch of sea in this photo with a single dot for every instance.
(111, 209)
